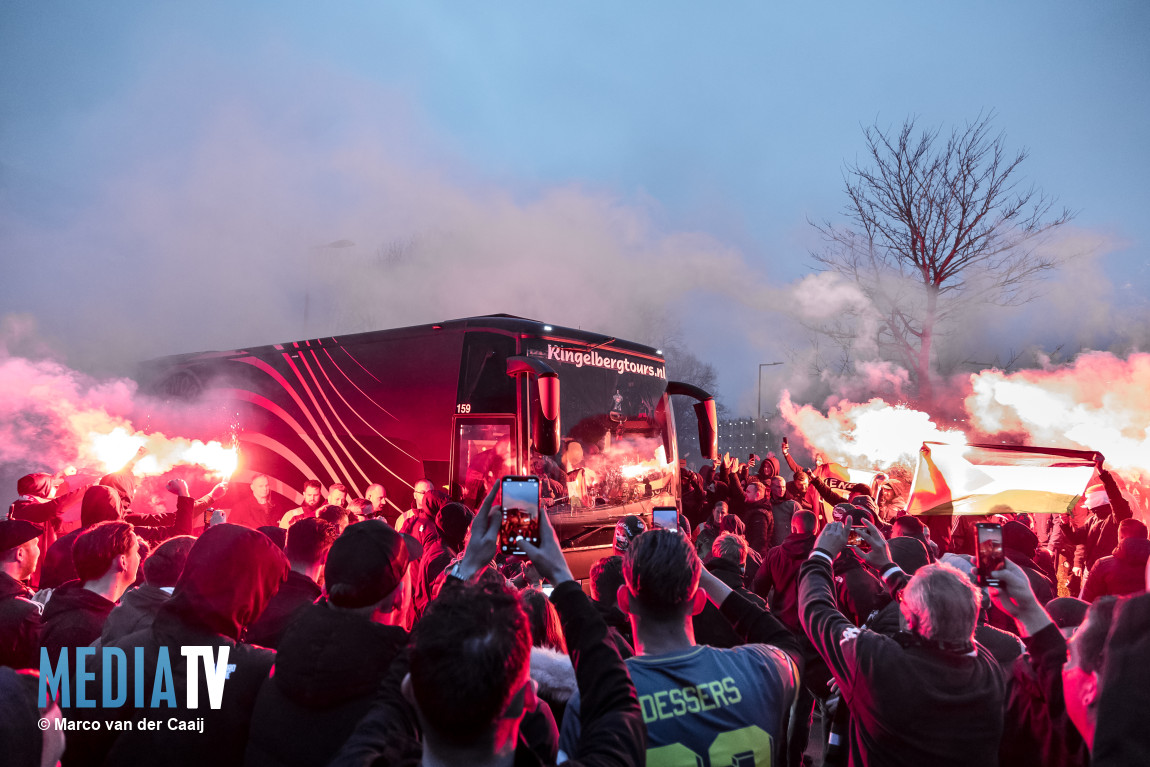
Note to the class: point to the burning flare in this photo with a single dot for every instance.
(870, 434)
(52, 417)
(113, 450)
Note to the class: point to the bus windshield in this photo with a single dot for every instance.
(614, 446)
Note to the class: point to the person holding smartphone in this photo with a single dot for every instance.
(465, 687)
(933, 673)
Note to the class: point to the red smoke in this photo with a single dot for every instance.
(1099, 402)
(52, 417)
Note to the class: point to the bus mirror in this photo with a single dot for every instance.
(545, 405)
(545, 426)
(705, 413)
(708, 428)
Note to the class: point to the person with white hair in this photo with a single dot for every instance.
(929, 695)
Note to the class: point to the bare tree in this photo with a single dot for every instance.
(936, 225)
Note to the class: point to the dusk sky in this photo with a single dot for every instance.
(172, 175)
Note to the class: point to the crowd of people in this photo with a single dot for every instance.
(778, 622)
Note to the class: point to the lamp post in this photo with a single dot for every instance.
(761, 366)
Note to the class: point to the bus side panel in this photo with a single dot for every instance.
(356, 414)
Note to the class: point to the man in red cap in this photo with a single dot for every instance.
(20, 623)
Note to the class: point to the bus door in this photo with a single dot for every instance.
(482, 451)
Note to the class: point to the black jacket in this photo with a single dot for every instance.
(1037, 730)
(73, 617)
(329, 665)
(613, 731)
(20, 625)
(910, 703)
(136, 610)
(760, 521)
(710, 626)
(297, 592)
(1122, 737)
(230, 576)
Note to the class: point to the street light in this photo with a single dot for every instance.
(761, 366)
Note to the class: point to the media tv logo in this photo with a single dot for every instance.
(153, 685)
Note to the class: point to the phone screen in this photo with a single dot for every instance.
(666, 517)
(854, 538)
(520, 497)
(990, 556)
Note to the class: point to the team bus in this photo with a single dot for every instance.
(459, 403)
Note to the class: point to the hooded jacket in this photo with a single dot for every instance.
(329, 665)
(1019, 544)
(760, 520)
(20, 625)
(710, 626)
(73, 617)
(297, 592)
(230, 575)
(136, 611)
(780, 572)
(33, 505)
(1124, 572)
(1122, 737)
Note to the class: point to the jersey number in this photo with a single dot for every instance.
(745, 747)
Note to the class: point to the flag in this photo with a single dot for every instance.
(973, 479)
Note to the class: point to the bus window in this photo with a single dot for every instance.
(483, 452)
(484, 386)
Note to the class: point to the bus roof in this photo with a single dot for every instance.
(505, 323)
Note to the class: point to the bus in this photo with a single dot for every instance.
(459, 403)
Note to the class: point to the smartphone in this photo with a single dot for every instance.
(854, 538)
(665, 517)
(990, 556)
(520, 497)
(547, 588)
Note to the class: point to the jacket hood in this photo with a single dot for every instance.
(769, 467)
(1019, 537)
(553, 671)
(847, 560)
(124, 483)
(101, 504)
(1133, 551)
(10, 587)
(798, 545)
(328, 657)
(72, 597)
(39, 485)
(230, 576)
(727, 572)
(452, 522)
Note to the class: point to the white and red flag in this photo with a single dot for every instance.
(973, 479)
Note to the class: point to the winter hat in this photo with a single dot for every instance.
(625, 531)
(367, 562)
(163, 567)
(1067, 612)
(850, 514)
(276, 533)
(908, 553)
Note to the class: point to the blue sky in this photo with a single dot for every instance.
(185, 163)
